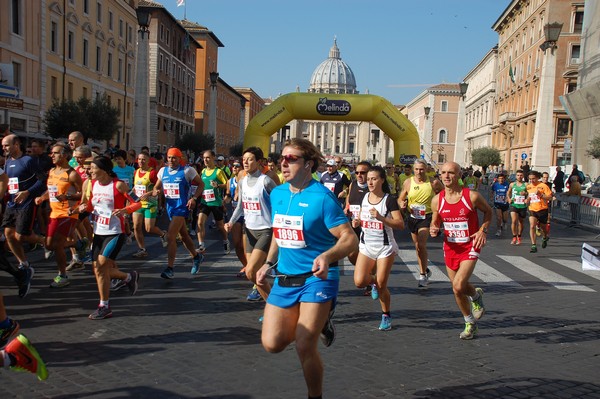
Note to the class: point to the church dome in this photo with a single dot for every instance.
(333, 75)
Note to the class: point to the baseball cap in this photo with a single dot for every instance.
(220, 158)
(331, 162)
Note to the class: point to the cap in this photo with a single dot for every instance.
(220, 158)
(331, 162)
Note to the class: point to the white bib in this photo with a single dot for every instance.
(288, 231)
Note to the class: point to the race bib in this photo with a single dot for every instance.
(519, 200)
(140, 189)
(330, 186)
(52, 193)
(251, 206)
(368, 223)
(288, 231)
(355, 211)
(209, 195)
(457, 232)
(102, 216)
(171, 190)
(499, 198)
(418, 211)
(533, 198)
(13, 185)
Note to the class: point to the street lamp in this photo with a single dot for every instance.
(212, 116)
(427, 110)
(141, 121)
(459, 152)
(143, 17)
(463, 86)
(551, 34)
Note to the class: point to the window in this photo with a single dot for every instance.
(84, 92)
(70, 45)
(575, 53)
(109, 65)
(53, 37)
(444, 106)
(16, 17)
(441, 158)
(564, 128)
(98, 59)
(17, 75)
(99, 12)
(85, 52)
(54, 87)
(70, 91)
(110, 21)
(121, 29)
(571, 87)
(128, 78)
(129, 34)
(120, 70)
(443, 136)
(86, 6)
(578, 23)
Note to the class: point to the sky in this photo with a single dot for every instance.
(396, 48)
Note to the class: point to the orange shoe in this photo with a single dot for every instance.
(518, 241)
(25, 358)
(513, 241)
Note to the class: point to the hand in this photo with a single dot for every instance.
(355, 223)
(214, 183)
(261, 275)
(479, 239)
(434, 231)
(374, 214)
(38, 200)
(320, 267)
(227, 227)
(21, 196)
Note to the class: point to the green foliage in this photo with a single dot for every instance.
(485, 156)
(594, 149)
(195, 142)
(236, 150)
(97, 120)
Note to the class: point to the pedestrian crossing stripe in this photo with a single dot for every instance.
(576, 266)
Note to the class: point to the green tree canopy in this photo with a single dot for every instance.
(485, 156)
(96, 119)
(195, 142)
(594, 150)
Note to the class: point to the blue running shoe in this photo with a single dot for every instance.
(168, 273)
(386, 323)
(374, 292)
(254, 295)
(198, 259)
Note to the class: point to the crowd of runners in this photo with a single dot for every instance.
(291, 218)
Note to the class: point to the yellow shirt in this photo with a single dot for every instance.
(419, 198)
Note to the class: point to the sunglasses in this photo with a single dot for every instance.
(290, 158)
(361, 173)
(236, 165)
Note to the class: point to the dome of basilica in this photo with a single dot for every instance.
(333, 75)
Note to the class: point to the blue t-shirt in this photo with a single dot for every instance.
(176, 187)
(125, 174)
(500, 191)
(320, 211)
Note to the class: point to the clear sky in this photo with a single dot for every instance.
(396, 48)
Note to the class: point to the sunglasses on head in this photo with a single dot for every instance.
(290, 158)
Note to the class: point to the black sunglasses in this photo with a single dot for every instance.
(290, 158)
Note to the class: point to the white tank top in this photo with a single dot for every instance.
(256, 204)
(374, 232)
(103, 201)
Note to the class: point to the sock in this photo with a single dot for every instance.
(201, 244)
(103, 304)
(24, 265)
(7, 359)
(128, 279)
(5, 323)
(469, 319)
(76, 258)
(476, 296)
(386, 314)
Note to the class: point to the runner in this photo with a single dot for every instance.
(357, 191)
(335, 181)
(237, 229)
(379, 216)
(175, 180)
(75, 141)
(107, 204)
(143, 181)
(499, 197)
(516, 196)
(64, 192)
(311, 235)
(417, 193)
(457, 208)
(538, 196)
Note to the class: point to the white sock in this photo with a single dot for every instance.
(103, 303)
(469, 319)
(201, 244)
(6, 359)
(24, 264)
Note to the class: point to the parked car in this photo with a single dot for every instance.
(594, 189)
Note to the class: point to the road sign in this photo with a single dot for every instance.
(523, 156)
(11, 103)
(9, 91)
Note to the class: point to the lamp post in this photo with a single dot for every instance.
(428, 132)
(459, 147)
(141, 123)
(543, 135)
(212, 116)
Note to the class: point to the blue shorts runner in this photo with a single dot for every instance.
(314, 290)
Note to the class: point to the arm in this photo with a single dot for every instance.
(403, 199)
(436, 221)
(479, 238)
(194, 200)
(237, 212)
(3, 184)
(271, 259)
(509, 193)
(346, 243)
(436, 185)
(134, 206)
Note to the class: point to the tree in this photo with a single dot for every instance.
(97, 120)
(195, 142)
(236, 150)
(594, 150)
(485, 156)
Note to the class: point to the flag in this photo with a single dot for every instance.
(180, 3)
(511, 72)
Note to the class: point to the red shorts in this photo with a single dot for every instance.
(454, 256)
(62, 226)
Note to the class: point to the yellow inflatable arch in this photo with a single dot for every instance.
(334, 107)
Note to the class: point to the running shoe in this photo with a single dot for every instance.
(25, 358)
(48, 253)
(374, 292)
(469, 331)
(477, 307)
(201, 248)
(328, 332)
(6, 334)
(197, 262)
(226, 247)
(133, 282)
(74, 265)
(24, 281)
(498, 232)
(538, 231)
(254, 295)
(103, 312)
(518, 241)
(386, 323)
(533, 249)
(513, 241)
(60, 281)
(163, 240)
(140, 254)
(168, 273)
(423, 280)
(116, 284)
(368, 290)
(193, 233)
(241, 273)
(545, 242)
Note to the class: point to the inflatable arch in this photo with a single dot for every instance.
(335, 107)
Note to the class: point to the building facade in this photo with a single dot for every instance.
(530, 123)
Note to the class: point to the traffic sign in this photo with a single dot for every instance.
(523, 156)
(11, 103)
(9, 91)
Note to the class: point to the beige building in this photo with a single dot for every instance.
(530, 123)
(88, 49)
(435, 114)
(254, 104)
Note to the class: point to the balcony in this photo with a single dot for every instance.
(507, 117)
